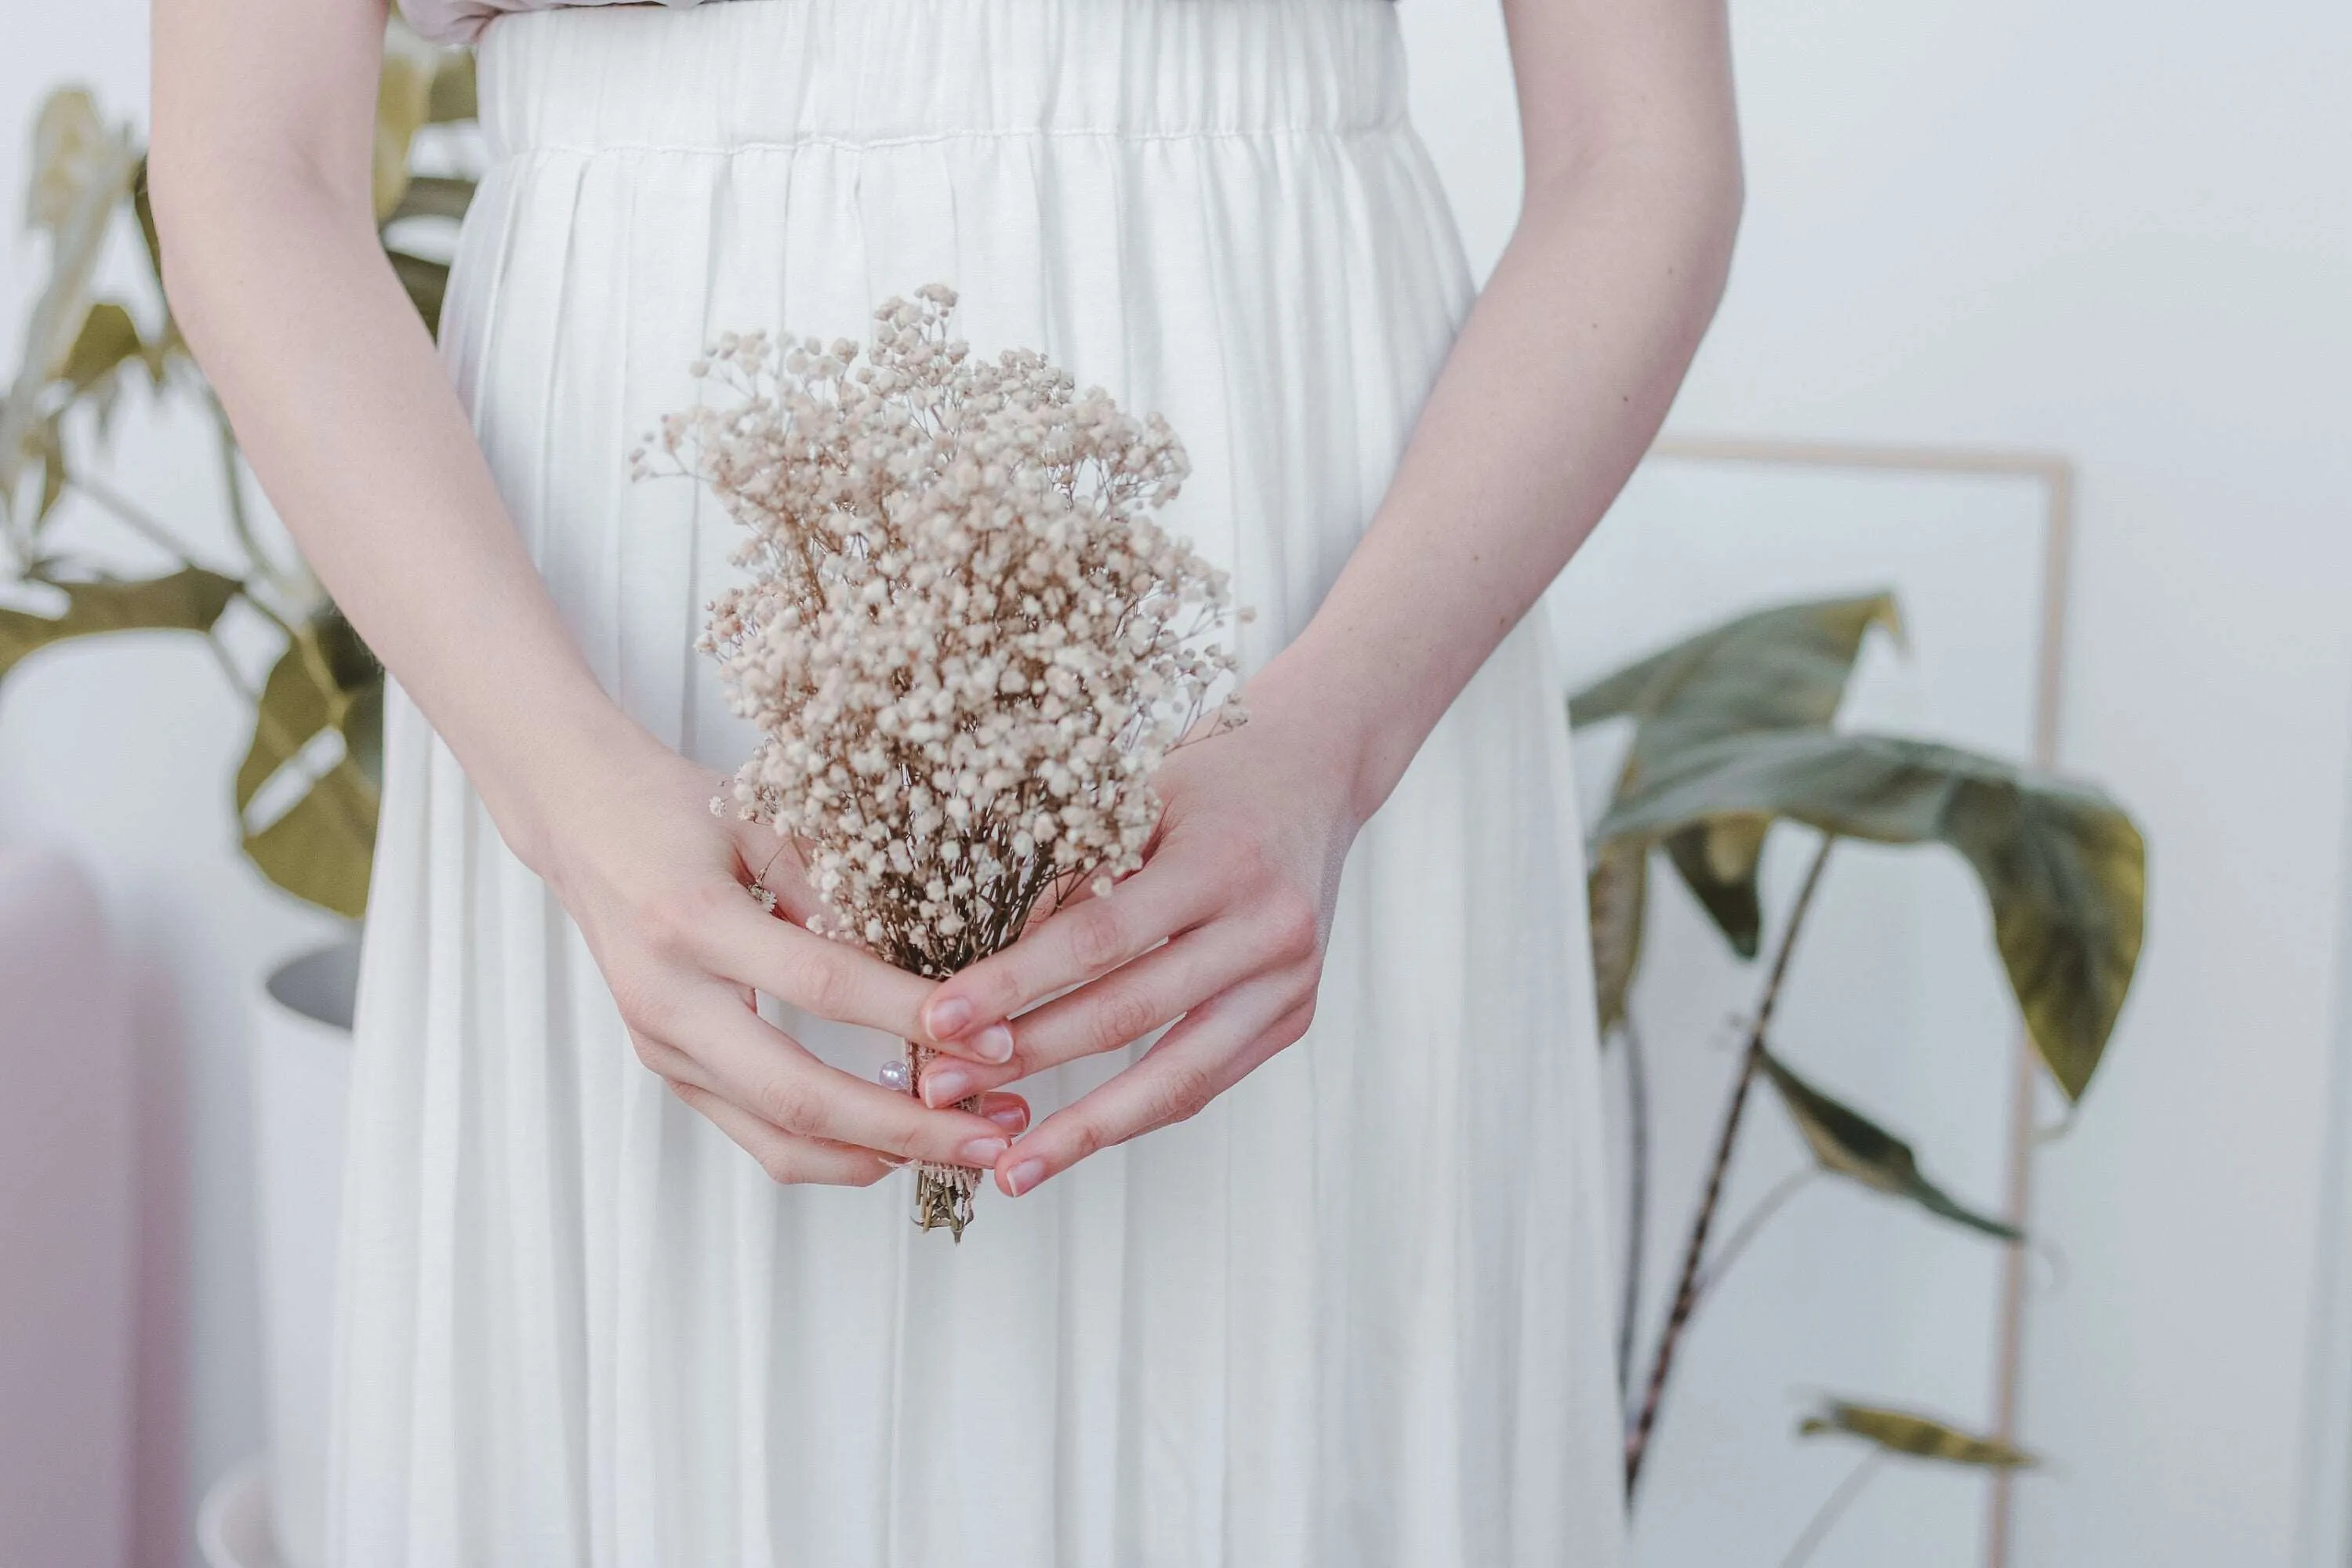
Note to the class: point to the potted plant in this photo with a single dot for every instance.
(304, 793)
(1733, 734)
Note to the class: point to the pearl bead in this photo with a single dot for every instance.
(894, 1074)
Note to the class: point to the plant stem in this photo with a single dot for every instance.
(1834, 1508)
(1637, 1441)
(1637, 1198)
(130, 516)
(239, 520)
(1770, 1205)
(234, 676)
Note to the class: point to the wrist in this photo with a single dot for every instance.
(581, 765)
(1315, 697)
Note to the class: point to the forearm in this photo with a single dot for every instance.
(1554, 388)
(349, 420)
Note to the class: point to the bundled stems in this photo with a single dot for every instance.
(943, 1193)
(1687, 1287)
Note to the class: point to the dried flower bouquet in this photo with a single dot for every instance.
(965, 642)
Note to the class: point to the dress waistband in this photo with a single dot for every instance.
(749, 73)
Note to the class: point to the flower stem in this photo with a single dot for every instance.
(1637, 1198)
(1833, 1509)
(943, 1193)
(1687, 1290)
(1770, 1205)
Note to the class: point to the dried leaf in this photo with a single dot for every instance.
(1617, 894)
(1921, 1437)
(1847, 1144)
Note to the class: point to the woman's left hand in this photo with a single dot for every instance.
(1222, 932)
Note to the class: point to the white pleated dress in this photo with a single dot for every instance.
(1355, 1314)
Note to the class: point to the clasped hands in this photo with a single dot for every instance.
(1219, 935)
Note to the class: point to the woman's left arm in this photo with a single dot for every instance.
(1553, 390)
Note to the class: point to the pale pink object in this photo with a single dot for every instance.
(68, 1218)
(462, 21)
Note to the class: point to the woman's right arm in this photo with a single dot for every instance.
(259, 168)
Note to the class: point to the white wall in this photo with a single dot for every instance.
(2122, 230)
(123, 753)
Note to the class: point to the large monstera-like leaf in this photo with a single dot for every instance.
(2065, 870)
(189, 600)
(1920, 1436)
(1780, 668)
(1847, 1144)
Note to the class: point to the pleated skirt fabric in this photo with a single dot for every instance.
(1355, 1314)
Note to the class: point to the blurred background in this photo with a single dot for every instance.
(2037, 351)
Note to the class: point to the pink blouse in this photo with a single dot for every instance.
(462, 21)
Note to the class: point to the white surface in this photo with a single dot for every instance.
(302, 1079)
(122, 752)
(2120, 231)
(1896, 1004)
(69, 1164)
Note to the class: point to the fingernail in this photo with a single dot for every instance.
(980, 1153)
(949, 1016)
(1009, 1116)
(994, 1044)
(945, 1085)
(1025, 1175)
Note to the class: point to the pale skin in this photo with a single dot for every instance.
(260, 161)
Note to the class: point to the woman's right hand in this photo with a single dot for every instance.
(661, 889)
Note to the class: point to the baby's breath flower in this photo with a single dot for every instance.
(964, 639)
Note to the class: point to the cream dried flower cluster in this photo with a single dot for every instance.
(965, 642)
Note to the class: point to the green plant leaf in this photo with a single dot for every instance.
(427, 283)
(364, 732)
(2063, 869)
(453, 97)
(143, 204)
(46, 446)
(1718, 862)
(321, 848)
(81, 170)
(1847, 1144)
(403, 103)
(319, 683)
(1921, 1437)
(434, 196)
(1784, 668)
(190, 599)
(108, 337)
(1617, 893)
